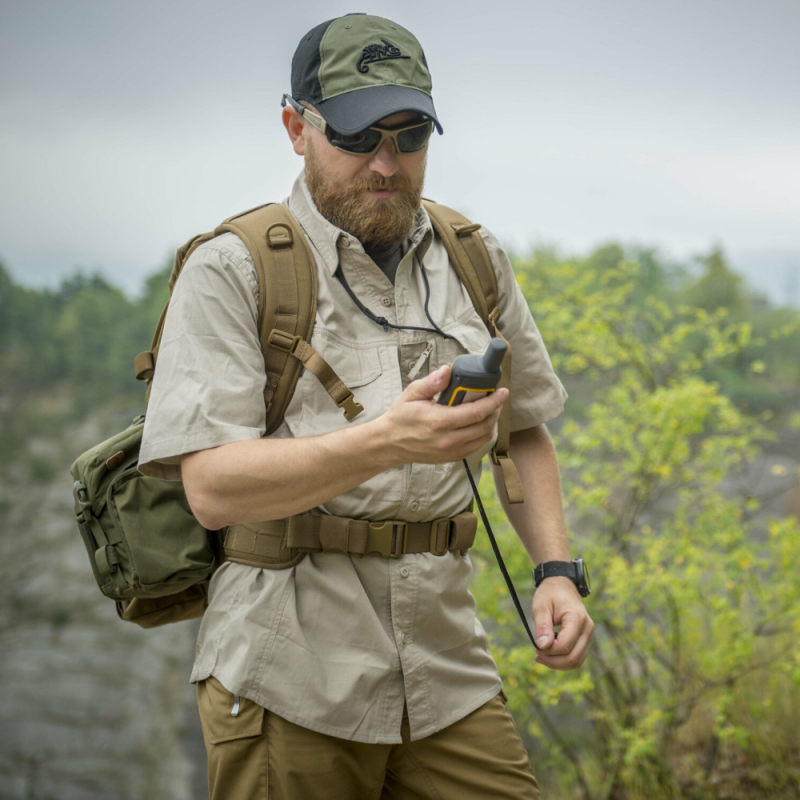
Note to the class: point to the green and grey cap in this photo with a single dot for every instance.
(358, 69)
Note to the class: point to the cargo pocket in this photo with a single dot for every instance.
(226, 717)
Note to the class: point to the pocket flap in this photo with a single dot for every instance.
(215, 704)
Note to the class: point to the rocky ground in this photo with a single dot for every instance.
(91, 708)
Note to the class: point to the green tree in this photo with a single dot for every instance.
(696, 595)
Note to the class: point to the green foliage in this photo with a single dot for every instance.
(678, 380)
(696, 598)
(68, 352)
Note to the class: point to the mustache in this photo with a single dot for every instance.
(397, 182)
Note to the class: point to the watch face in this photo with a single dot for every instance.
(583, 583)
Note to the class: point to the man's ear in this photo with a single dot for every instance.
(294, 125)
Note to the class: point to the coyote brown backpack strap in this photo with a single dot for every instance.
(287, 302)
(470, 259)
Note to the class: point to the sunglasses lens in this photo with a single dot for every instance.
(366, 142)
(414, 139)
(362, 142)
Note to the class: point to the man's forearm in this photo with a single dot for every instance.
(271, 478)
(262, 479)
(539, 521)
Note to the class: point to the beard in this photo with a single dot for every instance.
(377, 222)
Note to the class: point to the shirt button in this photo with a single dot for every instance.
(404, 571)
(386, 301)
(404, 638)
(414, 506)
(345, 241)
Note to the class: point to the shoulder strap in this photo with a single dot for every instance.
(470, 259)
(287, 302)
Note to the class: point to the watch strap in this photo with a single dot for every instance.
(552, 569)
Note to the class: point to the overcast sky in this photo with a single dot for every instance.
(126, 127)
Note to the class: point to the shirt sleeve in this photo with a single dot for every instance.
(537, 394)
(208, 387)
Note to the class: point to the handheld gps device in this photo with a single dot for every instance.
(473, 377)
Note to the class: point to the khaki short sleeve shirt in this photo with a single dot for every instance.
(336, 643)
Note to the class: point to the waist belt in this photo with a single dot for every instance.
(310, 533)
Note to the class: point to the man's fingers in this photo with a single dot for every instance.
(567, 637)
(475, 413)
(428, 387)
(571, 660)
(545, 634)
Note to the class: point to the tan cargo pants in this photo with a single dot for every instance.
(258, 755)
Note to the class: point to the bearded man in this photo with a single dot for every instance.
(341, 676)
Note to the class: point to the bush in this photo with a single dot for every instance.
(696, 600)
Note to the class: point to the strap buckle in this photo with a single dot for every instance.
(283, 341)
(434, 537)
(394, 541)
(352, 408)
(82, 503)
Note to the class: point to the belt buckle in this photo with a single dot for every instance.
(399, 537)
(435, 535)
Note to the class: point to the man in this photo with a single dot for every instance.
(338, 676)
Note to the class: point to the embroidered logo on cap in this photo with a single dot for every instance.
(378, 52)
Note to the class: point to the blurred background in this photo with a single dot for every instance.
(642, 164)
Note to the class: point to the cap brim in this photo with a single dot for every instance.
(351, 112)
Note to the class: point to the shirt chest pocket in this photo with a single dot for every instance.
(470, 337)
(312, 411)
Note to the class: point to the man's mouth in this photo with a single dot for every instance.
(381, 192)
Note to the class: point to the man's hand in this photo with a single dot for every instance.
(418, 429)
(557, 602)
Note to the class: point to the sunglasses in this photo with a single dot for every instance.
(409, 139)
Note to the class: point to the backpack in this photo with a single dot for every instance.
(147, 551)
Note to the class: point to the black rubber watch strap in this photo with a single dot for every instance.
(552, 569)
(574, 570)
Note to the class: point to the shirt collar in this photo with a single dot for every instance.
(327, 238)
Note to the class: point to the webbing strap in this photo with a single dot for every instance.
(319, 367)
(358, 537)
(511, 481)
(470, 258)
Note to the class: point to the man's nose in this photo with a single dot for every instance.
(384, 162)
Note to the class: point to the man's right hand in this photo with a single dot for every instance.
(420, 430)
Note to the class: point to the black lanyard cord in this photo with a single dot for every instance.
(427, 298)
(499, 557)
(382, 321)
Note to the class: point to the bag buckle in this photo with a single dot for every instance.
(396, 537)
(82, 503)
(434, 539)
(352, 408)
(283, 341)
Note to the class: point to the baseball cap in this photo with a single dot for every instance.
(357, 69)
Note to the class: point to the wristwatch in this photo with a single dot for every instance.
(575, 570)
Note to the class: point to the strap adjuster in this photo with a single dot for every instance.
(285, 342)
(81, 496)
(434, 537)
(397, 532)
